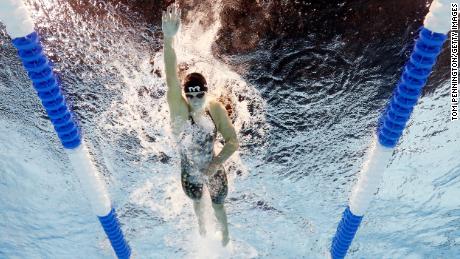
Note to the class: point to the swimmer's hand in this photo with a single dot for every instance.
(170, 21)
(212, 168)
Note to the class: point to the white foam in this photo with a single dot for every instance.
(16, 18)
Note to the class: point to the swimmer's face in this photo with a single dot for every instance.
(196, 100)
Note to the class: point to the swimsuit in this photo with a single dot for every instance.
(197, 151)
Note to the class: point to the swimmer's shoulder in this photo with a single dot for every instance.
(216, 108)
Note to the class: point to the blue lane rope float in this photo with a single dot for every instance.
(392, 122)
(20, 27)
(409, 87)
(346, 231)
(48, 89)
(112, 229)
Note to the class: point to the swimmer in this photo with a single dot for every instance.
(195, 121)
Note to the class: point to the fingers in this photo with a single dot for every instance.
(176, 10)
(172, 12)
(168, 10)
(165, 17)
(168, 13)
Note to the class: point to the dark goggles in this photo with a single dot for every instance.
(197, 95)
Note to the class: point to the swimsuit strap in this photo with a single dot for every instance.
(209, 114)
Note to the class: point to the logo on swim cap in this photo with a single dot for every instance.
(196, 88)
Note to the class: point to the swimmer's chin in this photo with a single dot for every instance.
(195, 107)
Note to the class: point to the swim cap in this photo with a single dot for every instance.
(195, 82)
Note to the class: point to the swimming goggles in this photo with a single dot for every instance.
(196, 95)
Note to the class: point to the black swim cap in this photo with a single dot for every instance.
(195, 82)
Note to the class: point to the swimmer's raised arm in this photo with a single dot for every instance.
(177, 105)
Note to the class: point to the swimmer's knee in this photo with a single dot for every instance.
(194, 195)
(194, 198)
(197, 203)
(218, 200)
(217, 205)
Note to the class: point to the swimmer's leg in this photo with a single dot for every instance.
(198, 206)
(221, 215)
(194, 191)
(218, 188)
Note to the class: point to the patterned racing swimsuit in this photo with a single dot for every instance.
(197, 152)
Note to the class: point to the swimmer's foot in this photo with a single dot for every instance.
(225, 238)
(199, 212)
(202, 230)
